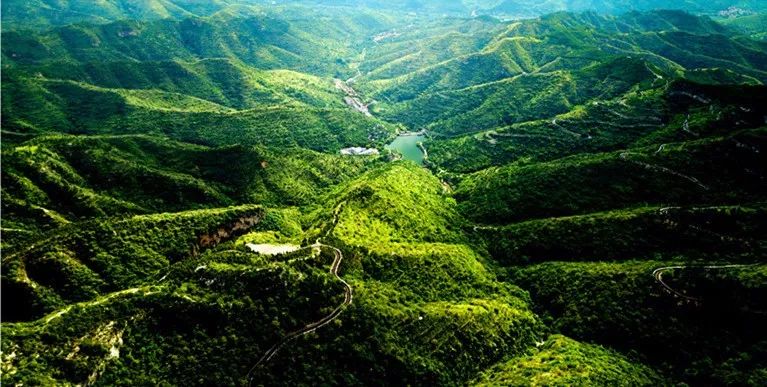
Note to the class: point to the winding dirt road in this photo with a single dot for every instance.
(311, 327)
(661, 169)
(658, 275)
(352, 98)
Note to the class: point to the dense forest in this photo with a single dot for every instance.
(332, 192)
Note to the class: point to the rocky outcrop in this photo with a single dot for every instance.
(226, 232)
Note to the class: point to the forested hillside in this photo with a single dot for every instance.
(328, 192)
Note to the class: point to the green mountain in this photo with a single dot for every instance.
(690, 173)
(214, 80)
(262, 41)
(222, 193)
(543, 68)
(748, 24)
(280, 118)
(66, 178)
(40, 14)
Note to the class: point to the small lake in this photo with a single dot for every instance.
(408, 147)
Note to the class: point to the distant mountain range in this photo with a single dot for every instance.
(44, 13)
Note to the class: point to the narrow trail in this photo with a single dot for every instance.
(562, 128)
(658, 275)
(147, 291)
(311, 327)
(658, 77)
(493, 133)
(617, 125)
(609, 108)
(686, 127)
(625, 156)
